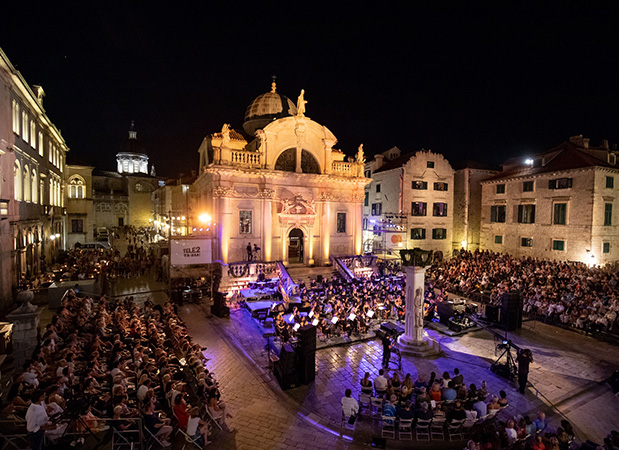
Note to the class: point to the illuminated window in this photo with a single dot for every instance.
(418, 233)
(17, 181)
(439, 233)
(439, 209)
(341, 222)
(419, 208)
(26, 184)
(50, 151)
(24, 126)
(40, 143)
(15, 117)
(77, 187)
(526, 242)
(41, 191)
(245, 222)
(33, 134)
(34, 183)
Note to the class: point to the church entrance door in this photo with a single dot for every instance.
(295, 246)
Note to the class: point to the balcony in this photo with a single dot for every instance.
(245, 158)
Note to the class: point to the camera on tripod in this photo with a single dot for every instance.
(505, 344)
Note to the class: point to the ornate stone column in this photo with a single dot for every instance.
(413, 342)
(310, 245)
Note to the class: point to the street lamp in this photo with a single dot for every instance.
(204, 218)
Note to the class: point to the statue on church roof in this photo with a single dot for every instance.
(301, 104)
(225, 135)
(360, 155)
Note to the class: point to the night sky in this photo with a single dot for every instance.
(476, 83)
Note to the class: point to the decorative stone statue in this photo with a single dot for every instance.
(262, 137)
(360, 155)
(301, 103)
(225, 135)
(416, 257)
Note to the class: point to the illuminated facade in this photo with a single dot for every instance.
(556, 205)
(285, 190)
(32, 182)
(409, 203)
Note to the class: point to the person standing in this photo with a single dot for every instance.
(37, 420)
(386, 350)
(249, 251)
(525, 358)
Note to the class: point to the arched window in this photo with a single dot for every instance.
(34, 183)
(17, 181)
(77, 187)
(15, 117)
(26, 183)
(287, 161)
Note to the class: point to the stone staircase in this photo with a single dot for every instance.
(306, 274)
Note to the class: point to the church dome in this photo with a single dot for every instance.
(266, 108)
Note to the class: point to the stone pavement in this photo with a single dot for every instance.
(569, 372)
(260, 419)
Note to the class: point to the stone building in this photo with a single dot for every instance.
(409, 202)
(284, 188)
(32, 180)
(559, 204)
(467, 203)
(80, 210)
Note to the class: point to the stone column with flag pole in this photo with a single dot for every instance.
(414, 341)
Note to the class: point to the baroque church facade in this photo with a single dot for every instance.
(286, 189)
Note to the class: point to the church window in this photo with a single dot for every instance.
(341, 222)
(139, 187)
(418, 233)
(245, 222)
(103, 207)
(287, 161)
(309, 163)
(419, 208)
(77, 187)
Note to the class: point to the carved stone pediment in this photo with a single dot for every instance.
(297, 211)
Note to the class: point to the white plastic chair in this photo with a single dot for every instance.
(437, 429)
(405, 429)
(454, 429)
(388, 427)
(422, 430)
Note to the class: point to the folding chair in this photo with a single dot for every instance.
(211, 418)
(405, 429)
(467, 426)
(191, 441)
(454, 429)
(344, 423)
(119, 441)
(422, 430)
(364, 401)
(437, 429)
(377, 406)
(388, 427)
(153, 441)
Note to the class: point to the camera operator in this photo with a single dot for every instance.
(524, 359)
(37, 420)
(386, 350)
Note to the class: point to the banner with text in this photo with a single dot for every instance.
(190, 251)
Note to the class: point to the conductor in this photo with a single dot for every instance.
(524, 359)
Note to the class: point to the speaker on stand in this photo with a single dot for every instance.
(511, 311)
(306, 354)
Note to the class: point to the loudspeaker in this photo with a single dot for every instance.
(219, 307)
(287, 359)
(445, 310)
(307, 339)
(511, 311)
(285, 380)
(306, 367)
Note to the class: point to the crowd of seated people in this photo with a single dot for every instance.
(448, 399)
(570, 293)
(338, 307)
(115, 361)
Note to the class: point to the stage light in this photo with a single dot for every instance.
(529, 162)
(334, 320)
(204, 218)
(352, 316)
(315, 322)
(296, 327)
(370, 314)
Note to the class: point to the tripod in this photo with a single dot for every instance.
(395, 350)
(508, 369)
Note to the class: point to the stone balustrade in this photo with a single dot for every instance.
(242, 157)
